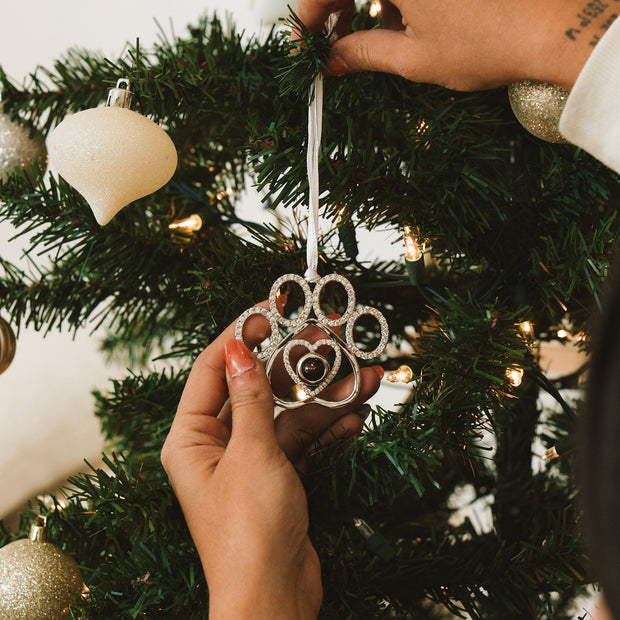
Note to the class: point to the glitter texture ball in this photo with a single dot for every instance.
(112, 156)
(20, 148)
(37, 581)
(538, 107)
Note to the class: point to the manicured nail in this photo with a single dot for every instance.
(238, 358)
(333, 315)
(379, 370)
(336, 65)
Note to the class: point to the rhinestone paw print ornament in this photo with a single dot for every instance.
(308, 363)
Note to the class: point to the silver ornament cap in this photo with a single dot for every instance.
(121, 96)
(538, 107)
(38, 581)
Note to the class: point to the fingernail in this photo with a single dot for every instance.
(333, 315)
(281, 301)
(379, 370)
(238, 358)
(336, 65)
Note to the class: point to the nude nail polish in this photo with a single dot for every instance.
(336, 66)
(238, 358)
(379, 370)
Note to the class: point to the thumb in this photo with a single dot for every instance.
(389, 51)
(251, 398)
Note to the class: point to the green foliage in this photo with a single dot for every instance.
(519, 229)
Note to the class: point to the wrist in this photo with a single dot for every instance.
(560, 47)
(258, 605)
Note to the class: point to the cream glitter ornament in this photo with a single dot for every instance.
(538, 107)
(20, 147)
(112, 155)
(38, 581)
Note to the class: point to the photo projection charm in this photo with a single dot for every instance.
(305, 362)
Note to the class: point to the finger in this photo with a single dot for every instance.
(314, 13)
(298, 428)
(346, 428)
(205, 390)
(251, 399)
(390, 51)
(391, 16)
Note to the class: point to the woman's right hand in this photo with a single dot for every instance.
(467, 44)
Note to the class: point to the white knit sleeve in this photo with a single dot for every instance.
(591, 118)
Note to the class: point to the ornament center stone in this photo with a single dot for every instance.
(312, 368)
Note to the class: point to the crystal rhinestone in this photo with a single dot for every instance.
(312, 368)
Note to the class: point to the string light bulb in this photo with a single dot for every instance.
(562, 333)
(527, 327)
(300, 394)
(375, 8)
(403, 374)
(187, 224)
(414, 249)
(515, 376)
(551, 455)
(562, 448)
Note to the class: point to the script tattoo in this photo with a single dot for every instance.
(596, 14)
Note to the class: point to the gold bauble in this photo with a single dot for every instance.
(38, 581)
(7, 345)
(538, 107)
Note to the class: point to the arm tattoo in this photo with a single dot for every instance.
(595, 15)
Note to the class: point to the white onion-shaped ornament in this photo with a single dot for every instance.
(538, 107)
(112, 155)
(38, 581)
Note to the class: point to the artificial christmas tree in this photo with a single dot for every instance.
(521, 234)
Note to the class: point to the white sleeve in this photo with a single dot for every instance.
(591, 118)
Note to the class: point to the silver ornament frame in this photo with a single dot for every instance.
(278, 344)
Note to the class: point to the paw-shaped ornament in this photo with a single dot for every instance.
(312, 372)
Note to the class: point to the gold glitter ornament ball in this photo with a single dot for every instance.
(20, 148)
(7, 345)
(538, 107)
(38, 581)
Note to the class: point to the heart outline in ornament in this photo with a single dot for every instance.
(312, 348)
(312, 394)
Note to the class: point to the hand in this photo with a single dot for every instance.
(242, 498)
(466, 44)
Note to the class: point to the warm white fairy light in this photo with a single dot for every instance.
(562, 333)
(515, 376)
(414, 250)
(375, 8)
(551, 455)
(227, 192)
(300, 394)
(187, 224)
(402, 374)
(527, 328)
